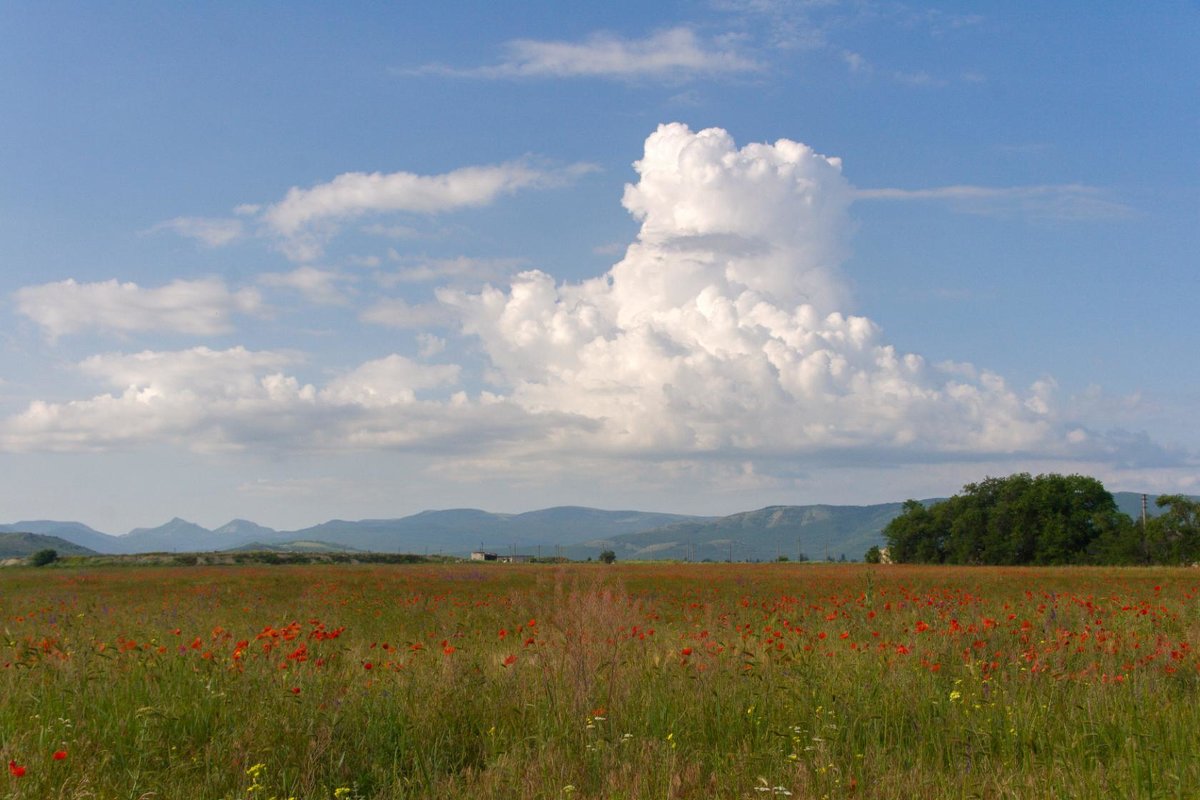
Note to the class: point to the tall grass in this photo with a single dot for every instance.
(631, 681)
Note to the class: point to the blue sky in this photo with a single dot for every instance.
(294, 261)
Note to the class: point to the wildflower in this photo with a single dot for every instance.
(687, 651)
(509, 660)
(16, 770)
(59, 755)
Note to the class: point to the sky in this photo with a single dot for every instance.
(299, 261)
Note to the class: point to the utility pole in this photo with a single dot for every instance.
(1145, 546)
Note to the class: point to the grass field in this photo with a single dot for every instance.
(592, 681)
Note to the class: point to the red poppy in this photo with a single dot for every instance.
(59, 755)
(15, 770)
(687, 651)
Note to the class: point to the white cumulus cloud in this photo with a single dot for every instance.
(202, 307)
(721, 331)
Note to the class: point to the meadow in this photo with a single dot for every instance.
(331, 682)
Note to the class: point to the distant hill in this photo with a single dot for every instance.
(241, 528)
(817, 531)
(464, 529)
(20, 544)
(74, 532)
(580, 532)
(298, 546)
(448, 531)
(1131, 504)
(178, 535)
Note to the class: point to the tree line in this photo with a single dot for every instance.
(1047, 519)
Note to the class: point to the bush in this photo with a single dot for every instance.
(43, 557)
(608, 556)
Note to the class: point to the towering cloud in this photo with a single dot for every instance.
(720, 331)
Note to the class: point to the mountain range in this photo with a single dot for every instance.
(816, 531)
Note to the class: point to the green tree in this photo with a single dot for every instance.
(43, 557)
(915, 536)
(1021, 519)
(1174, 536)
(874, 555)
(608, 556)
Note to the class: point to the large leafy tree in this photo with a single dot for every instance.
(915, 536)
(1174, 536)
(1021, 519)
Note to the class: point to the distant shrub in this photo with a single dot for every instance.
(43, 557)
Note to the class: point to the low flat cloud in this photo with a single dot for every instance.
(236, 399)
(202, 307)
(320, 286)
(306, 218)
(671, 54)
(210, 231)
(449, 270)
(399, 313)
(1054, 201)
